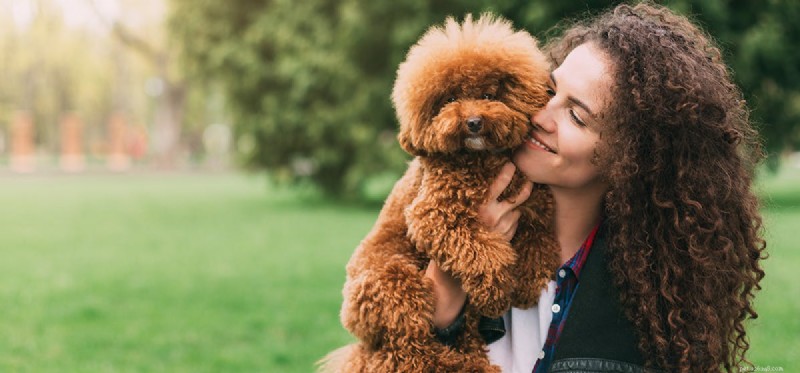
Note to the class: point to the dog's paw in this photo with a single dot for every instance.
(490, 294)
(527, 296)
(423, 222)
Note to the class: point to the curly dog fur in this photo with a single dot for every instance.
(464, 97)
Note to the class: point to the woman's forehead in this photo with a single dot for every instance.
(586, 75)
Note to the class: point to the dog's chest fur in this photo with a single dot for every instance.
(468, 175)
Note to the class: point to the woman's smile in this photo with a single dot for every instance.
(537, 144)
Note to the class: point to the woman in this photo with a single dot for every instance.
(649, 153)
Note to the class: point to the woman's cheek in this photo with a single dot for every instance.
(524, 162)
(534, 169)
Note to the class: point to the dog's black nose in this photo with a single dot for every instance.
(474, 124)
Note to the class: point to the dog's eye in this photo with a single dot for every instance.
(451, 99)
(488, 96)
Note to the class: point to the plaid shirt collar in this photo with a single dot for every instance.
(575, 264)
(567, 282)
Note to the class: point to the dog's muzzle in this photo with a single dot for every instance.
(475, 143)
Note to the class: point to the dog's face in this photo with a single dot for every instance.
(469, 87)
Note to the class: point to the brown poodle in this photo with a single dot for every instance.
(464, 98)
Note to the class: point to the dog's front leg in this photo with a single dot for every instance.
(536, 247)
(387, 300)
(443, 223)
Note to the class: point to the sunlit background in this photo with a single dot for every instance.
(97, 85)
(183, 181)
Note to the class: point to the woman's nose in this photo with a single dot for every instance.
(543, 120)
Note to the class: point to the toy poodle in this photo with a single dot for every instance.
(464, 97)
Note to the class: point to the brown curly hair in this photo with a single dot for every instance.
(679, 153)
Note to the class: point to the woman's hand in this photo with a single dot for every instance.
(449, 295)
(502, 216)
(498, 216)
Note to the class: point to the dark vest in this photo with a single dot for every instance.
(597, 337)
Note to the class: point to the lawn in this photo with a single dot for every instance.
(169, 274)
(223, 273)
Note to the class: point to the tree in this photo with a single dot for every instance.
(308, 82)
(52, 67)
(169, 87)
(50, 70)
(760, 42)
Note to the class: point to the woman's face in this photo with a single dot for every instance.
(567, 130)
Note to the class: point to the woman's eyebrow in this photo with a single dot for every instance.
(573, 99)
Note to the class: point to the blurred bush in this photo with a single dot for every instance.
(309, 81)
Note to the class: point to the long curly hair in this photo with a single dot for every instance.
(679, 153)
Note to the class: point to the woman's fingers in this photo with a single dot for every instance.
(508, 224)
(502, 216)
(523, 194)
(501, 181)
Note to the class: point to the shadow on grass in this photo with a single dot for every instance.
(304, 197)
(305, 194)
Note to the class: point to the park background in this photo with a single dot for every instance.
(183, 181)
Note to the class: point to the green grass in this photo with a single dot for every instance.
(775, 335)
(169, 274)
(221, 273)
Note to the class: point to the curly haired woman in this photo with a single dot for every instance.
(648, 150)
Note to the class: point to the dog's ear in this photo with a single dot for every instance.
(509, 91)
(414, 113)
(408, 135)
(525, 93)
(404, 138)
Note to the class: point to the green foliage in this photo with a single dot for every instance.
(309, 82)
(760, 40)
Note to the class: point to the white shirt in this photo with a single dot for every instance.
(526, 331)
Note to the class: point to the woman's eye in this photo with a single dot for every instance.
(577, 119)
(488, 96)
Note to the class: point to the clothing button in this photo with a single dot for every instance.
(541, 354)
(562, 273)
(556, 308)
